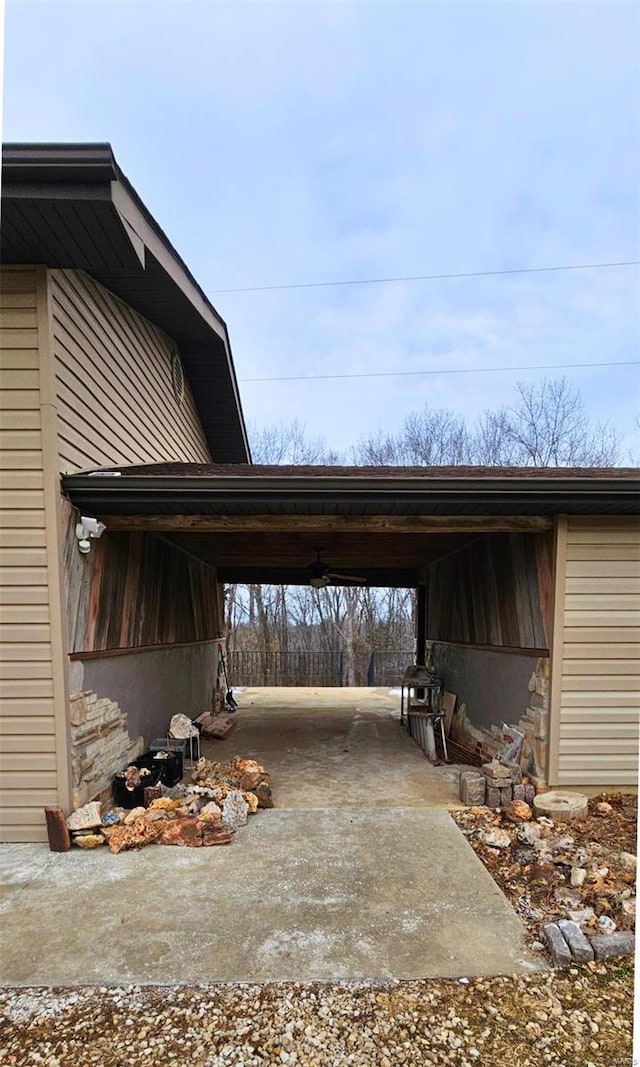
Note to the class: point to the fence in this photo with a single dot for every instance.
(285, 668)
(387, 666)
(300, 667)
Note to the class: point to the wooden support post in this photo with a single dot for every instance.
(421, 625)
(421, 631)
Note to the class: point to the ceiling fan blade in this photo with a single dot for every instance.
(347, 578)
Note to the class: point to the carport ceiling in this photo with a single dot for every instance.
(282, 558)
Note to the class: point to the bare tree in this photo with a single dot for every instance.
(546, 427)
(428, 438)
(288, 442)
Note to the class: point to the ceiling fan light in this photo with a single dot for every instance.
(320, 582)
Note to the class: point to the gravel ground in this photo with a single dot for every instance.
(576, 1018)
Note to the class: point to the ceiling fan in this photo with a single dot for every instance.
(321, 575)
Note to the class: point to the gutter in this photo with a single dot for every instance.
(108, 491)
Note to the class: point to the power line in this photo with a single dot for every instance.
(444, 370)
(425, 277)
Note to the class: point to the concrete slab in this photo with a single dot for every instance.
(333, 748)
(307, 895)
(358, 873)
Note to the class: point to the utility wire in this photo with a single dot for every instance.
(444, 370)
(425, 277)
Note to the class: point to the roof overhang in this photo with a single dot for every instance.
(258, 524)
(419, 491)
(71, 206)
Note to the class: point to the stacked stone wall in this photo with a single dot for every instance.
(100, 744)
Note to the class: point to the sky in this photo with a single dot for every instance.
(281, 143)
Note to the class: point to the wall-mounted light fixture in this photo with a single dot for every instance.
(86, 529)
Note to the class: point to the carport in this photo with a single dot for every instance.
(480, 545)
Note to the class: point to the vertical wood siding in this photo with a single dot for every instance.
(135, 590)
(598, 694)
(495, 591)
(116, 404)
(27, 721)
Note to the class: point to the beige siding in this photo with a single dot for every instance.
(30, 662)
(116, 404)
(596, 680)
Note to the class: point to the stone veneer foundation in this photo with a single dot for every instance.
(100, 744)
(533, 724)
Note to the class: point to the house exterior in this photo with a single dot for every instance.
(119, 402)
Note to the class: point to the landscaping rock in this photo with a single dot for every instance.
(518, 811)
(133, 815)
(530, 834)
(606, 924)
(621, 943)
(581, 950)
(578, 875)
(492, 797)
(518, 792)
(234, 810)
(87, 817)
(555, 942)
(580, 915)
(88, 840)
(628, 861)
(506, 796)
(529, 793)
(495, 838)
(213, 833)
(185, 831)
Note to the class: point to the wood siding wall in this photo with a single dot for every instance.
(116, 404)
(136, 590)
(496, 591)
(33, 748)
(596, 668)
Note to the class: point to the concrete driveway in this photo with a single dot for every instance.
(357, 874)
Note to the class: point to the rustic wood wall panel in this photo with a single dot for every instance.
(599, 692)
(136, 590)
(494, 591)
(116, 404)
(27, 722)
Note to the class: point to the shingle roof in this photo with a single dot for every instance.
(239, 470)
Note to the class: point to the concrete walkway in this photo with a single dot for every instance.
(357, 874)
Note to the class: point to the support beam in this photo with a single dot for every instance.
(421, 625)
(329, 523)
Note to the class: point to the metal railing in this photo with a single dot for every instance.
(301, 667)
(297, 668)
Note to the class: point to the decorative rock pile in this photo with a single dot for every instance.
(496, 785)
(576, 893)
(207, 812)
